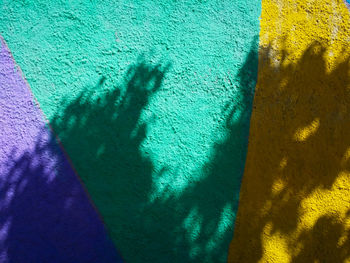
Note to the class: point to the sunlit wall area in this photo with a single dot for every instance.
(151, 101)
(295, 197)
(45, 214)
(127, 126)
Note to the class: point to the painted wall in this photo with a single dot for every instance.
(152, 102)
(45, 214)
(295, 195)
(140, 142)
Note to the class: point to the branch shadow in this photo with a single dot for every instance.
(298, 149)
(103, 130)
(45, 214)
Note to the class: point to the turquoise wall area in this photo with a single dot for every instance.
(151, 101)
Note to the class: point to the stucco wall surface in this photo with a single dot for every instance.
(45, 214)
(151, 101)
(295, 195)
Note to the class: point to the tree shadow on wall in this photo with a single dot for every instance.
(298, 157)
(45, 215)
(103, 130)
(199, 221)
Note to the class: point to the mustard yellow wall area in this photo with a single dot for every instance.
(295, 195)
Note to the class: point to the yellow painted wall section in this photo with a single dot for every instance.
(295, 195)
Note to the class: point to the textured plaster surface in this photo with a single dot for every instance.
(151, 101)
(45, 215)
(295, 195)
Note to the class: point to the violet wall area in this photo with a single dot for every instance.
(45, 214)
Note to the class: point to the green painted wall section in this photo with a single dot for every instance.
(152, 101)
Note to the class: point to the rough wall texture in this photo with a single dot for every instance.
(151, 100)
(45, 215)
(295, 196)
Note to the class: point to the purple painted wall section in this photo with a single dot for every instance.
(45, 214)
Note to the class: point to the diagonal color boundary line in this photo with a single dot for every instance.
(59, 143)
